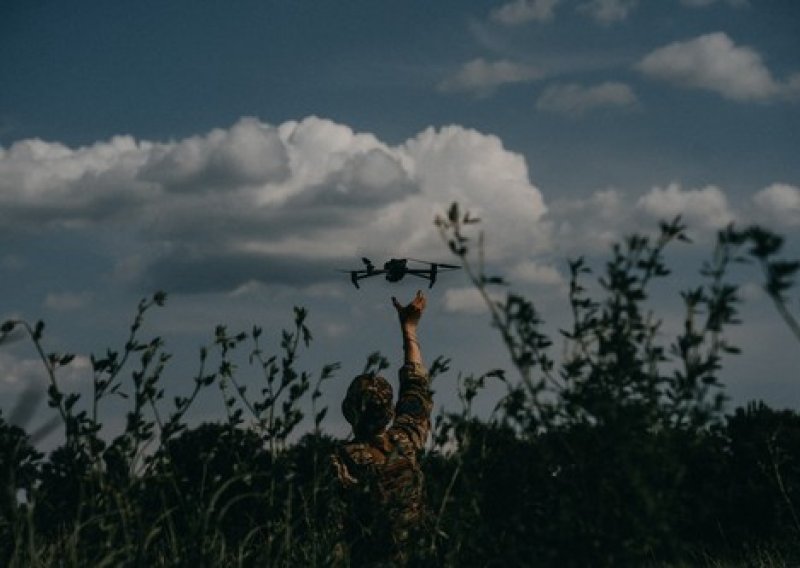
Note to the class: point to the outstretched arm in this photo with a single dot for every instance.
(409, 320)
(414, 402)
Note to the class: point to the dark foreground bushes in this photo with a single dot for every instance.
(590, 497)
(619, 454)
(577, 498)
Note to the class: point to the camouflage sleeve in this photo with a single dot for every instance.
(414, 404)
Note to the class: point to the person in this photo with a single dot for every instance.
(378, 470)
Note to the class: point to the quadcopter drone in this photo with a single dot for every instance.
(396, 268)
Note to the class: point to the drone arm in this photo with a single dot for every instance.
(356, 275)
(421, 273)
(429, 275)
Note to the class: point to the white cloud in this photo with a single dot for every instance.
(705, 208)
(248, 153)
(520, 12)
(218, 218)
(608, 11)
(454, 164)
(18, 374)
(67, 301)
(48, 183)
(335, 329)
(714, 63)
(574, 100)
(589, 225)
(482, 77)
(337, 196)
(15, 374)
(532, 272)
(466, 301)
(779, 203)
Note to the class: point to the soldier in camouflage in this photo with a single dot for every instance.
(379, 470)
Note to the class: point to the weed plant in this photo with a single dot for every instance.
(620, 453)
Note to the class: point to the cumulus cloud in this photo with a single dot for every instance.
(705, 208)
(575, 100)
(779, 203)
(589, 225)
(18, 374)
(465, 301)
(607, 11)
(248, 153)
(714, 63)
(520, 12)
(481, 77)
(469, 301)
(329, 196)
(256, 202)
(44, 184)
(536, 273)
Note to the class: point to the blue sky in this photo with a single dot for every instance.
(233, 154)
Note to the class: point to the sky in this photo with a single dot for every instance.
(236, 154)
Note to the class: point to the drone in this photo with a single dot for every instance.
(397, 268)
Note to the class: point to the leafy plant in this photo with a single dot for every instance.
(619, 452)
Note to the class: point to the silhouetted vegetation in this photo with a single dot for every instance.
(621, 452)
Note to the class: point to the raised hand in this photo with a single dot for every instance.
(410, 315)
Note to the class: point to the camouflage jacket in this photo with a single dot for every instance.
(381, 479)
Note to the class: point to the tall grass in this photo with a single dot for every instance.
(621, 453)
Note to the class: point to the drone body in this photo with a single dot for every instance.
(396, 269)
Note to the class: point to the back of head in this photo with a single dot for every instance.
(368, 405)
